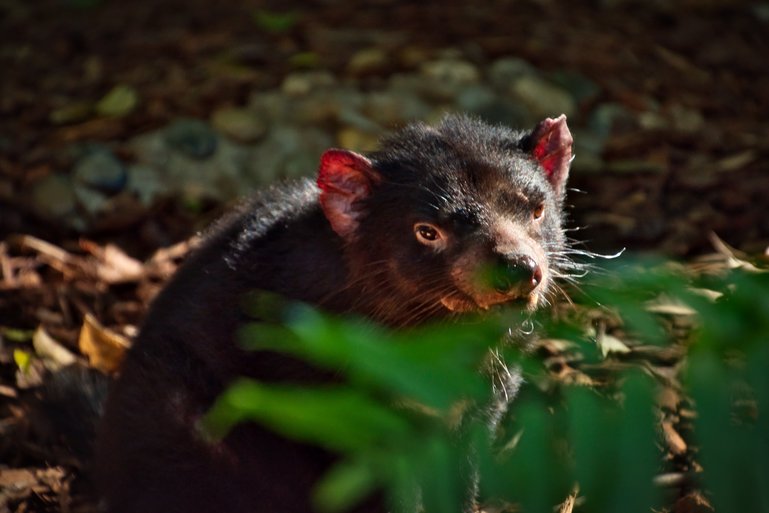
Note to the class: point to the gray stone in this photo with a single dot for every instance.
(271, 105)
(430, 89)
(357, 140)
(53, 197)
(99, 169)
(652, 120)
(475, 98)
(390, 109)
(368, 61)
(91, 201)
(631, 166)
(243, 125)
(324, 107)
(608, 117)
(509, 113)
(351, 118)
(588, 150)
(145, 184)
(451, 71)
(505, 71)
(302, 83)
(761, 11)
(542, 98)
(686, 119)
(581, 88)
(220, 177)
(192, 137)
(287, 152)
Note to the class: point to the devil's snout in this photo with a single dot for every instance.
(516, 273)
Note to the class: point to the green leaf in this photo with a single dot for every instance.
(17, 335)
(275, 22)
(436, 366)
(344, 486)
(23, 360)
(304, 60)
(119, 102)
(340, 419)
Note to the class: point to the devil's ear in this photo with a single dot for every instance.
(344, 178)
(550, 144)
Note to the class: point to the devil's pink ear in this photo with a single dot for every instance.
(552, 143)
(344, 178)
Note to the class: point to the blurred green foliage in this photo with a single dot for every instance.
(411, 416)
(275, 22)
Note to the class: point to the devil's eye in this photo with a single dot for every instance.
(428, 234)
(538, 211)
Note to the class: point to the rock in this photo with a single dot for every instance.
(509, 113)
(219, 177)
(100, 170)
(475, 98)
(427, 88)
(608, 118)
(581, 88)
(145, 184)
(192, 137)
(287, 152)
(542, 98)
(589, 145)
(357, 140)
(505, 71)
(686, 119)
(368, 61)
(91, 201)
(632, 166)
(761, 12)
(652, 120)
(588, 151)
(271, 105)
(53, 197)
(71, 113)
(412, 56)
(302, 83)
(323, 107)
(243, 125)
(451, 71)
(119, 102)
(392, 109)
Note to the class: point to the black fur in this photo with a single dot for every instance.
(462, 176)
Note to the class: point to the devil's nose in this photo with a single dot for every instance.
(517, 272)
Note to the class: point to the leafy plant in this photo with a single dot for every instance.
(415, 405)
(275, 22)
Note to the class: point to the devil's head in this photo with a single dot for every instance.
(452, 218)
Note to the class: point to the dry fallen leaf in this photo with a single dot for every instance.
(694, 502)
(610, 344)
(673, 440)
(567, 506)
(113, 264)
(17, 478)
(103, 347)
(669, 307)
(53, 354)
(734, 259)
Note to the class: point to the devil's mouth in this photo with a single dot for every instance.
(459, 302)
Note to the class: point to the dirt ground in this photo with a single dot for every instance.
(703, 56)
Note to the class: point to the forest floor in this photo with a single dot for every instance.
(706, 178)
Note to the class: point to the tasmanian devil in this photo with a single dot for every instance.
(398, 236)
